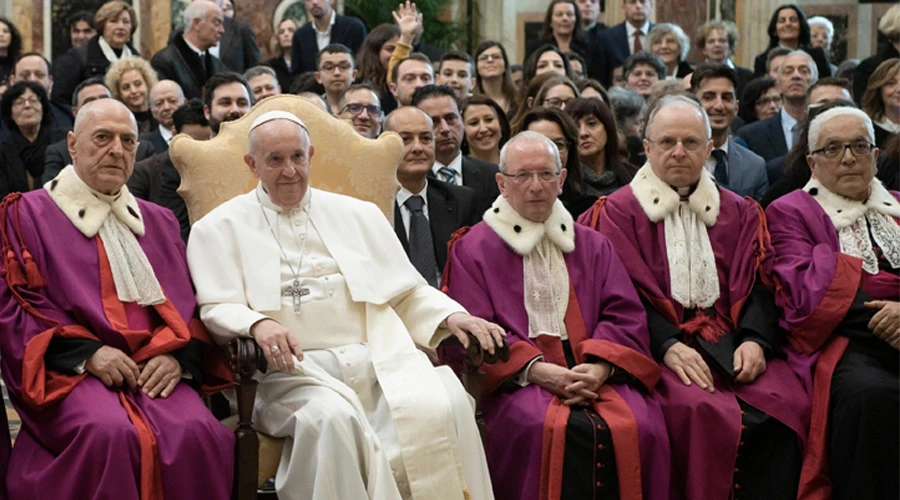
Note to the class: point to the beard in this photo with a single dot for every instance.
(214, 122)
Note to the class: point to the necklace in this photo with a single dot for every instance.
(295, 291)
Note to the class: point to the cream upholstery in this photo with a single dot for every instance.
(214, 171)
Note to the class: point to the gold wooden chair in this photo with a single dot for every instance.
(213, 172)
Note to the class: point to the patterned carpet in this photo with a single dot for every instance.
(11, 415)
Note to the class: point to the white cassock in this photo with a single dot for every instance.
(366, 414)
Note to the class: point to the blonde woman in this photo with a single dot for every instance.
(130, 80)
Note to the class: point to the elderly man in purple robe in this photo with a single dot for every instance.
(837, 259)
(736, 413)
(571, 414)
(102, 349)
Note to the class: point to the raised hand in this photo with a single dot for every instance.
(409, 20)
(277, 344)
(689, 365)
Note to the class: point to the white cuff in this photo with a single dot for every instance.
(521, 379)
(79, 368)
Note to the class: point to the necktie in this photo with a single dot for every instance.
(448, 175)
(637, 41)
(795, 134)
(421, 246)
(721, 172)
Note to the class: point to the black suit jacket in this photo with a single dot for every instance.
(818, 55)
(765, 137)
(237, 47)
(178, 62)
(57, 158)
(155, 138)
(145, 180)
(449, 208)
(481, 176)
(283, 73)
(349, 31)
(744, 75)
(610, 50)
(167, 196)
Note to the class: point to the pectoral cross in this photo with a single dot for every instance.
(295, 292)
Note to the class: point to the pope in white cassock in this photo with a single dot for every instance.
(365, 413)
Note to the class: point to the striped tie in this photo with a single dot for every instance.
(448, 175)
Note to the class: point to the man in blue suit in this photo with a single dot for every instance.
(325, 28)
(623, 40)
(734, 166)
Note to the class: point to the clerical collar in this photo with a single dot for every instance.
(266, 202)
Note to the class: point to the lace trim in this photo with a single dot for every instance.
(546, 290)
(693, 279)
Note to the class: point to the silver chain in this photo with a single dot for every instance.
(305, 236)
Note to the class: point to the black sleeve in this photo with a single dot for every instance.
(63, 354)
(67, 74)
(190, 357)
(53, 164)
(252, 57)
(759, 320)
(663, 334)
(856, 322)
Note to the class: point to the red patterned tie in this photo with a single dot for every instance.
(637, 41)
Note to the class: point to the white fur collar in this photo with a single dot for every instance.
(522, 235)
(658, 199)
(844, 211)
(87, 210)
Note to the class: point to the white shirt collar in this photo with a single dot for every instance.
(330, 24)
(630, 29)
(710, 164)
(193, 47)
(456, 165)
(787, 124)
(265, 201)
(165, 133)
(404, 194)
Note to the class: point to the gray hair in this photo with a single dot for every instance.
(196, 10)
(813, 67)
(627, 103)
(823, 22)
(530, 136)
(890, 23)
(662, 29)
(259, 71)
(820, 119)
(669, 100)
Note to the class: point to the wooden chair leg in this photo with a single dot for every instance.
(472, 381)
(246, 360)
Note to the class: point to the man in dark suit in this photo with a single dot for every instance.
(734, 166)
(426, 211)
(776, 135)
(624, 39)
(57, 155)
(326, 27)
(237, 48)
(187, 59)
(590, 10)
(34, 67)
(451, 166)
(165, 97)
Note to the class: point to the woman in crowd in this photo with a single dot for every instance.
(493, 75)
(669, 42)
(547, 59)
(789, 28)
(25, 110)
(717, 41)
(598, 148)
(559, 128)
(10, 47)
(557, 92)
(590, 88)
(526, 98)
(129, 80)
(486, 127)
(760, 100)
(562, 28)
(642, 70)
(281, 48)
(889, 27)
(882, 101)
(227, 8)
(115, 22)
(821, 33)
(372, 62)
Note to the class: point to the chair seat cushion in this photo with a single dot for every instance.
(269, 451)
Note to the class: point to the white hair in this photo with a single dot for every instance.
(196, 10)
(669, 100)
(813, 67)
(662, 29)
(823, 22)
(824, 117)
(530, 136)
(890, 23)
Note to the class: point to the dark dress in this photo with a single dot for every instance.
(282, 72)
(23, 161)
(145, 121)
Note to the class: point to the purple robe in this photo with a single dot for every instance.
(705, 428)
(486, 276)
(80, 439)
(817, 284)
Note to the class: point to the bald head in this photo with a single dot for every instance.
(403, 115)
(417, 131)
(103, 145)
(165, 97)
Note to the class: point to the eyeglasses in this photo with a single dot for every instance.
(688, 143)
(765, 101)
(523, 177)
(488, 57)
(356, 108)
(31, 101)
(556, 102)
(344, 66)
(835, 150)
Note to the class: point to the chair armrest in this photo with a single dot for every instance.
(475, 355)
(246, 359)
